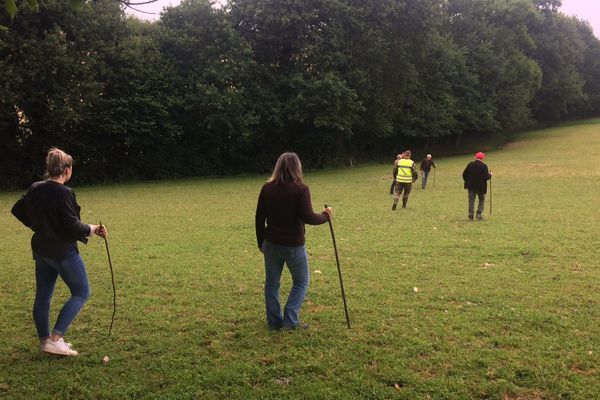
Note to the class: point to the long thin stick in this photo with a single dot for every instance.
(490, 195)
(434, 176)
(112, 277)
(337, 260)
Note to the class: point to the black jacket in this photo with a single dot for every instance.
(51, 211)
(427, 164)
(476, 175)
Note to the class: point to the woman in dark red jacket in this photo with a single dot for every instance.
(50, 209)
(284, 206)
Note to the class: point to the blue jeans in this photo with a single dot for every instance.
(72, 271)
(297, 261)
(425, 176)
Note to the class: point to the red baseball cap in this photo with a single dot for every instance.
(479, 155)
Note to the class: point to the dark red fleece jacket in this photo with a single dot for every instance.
(282, 211)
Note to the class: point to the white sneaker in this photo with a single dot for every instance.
(70, 345)
(59, 347)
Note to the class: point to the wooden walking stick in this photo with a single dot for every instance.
(337, 260)
(112, 277)
(490, 195)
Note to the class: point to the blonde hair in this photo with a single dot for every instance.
(57, 161)
(288, 168)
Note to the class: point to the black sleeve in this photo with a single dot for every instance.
(19, 210)
(422, 164)
(465, 173)
(259, 219)
(68, 211)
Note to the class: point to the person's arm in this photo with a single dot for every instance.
(19, 210)
(433, 164)
(422, 166)
(307, 215)
(465, 173)
(259, 220)
(68, 212)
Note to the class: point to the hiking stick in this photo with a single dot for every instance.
(112, 277)
(337, 260)
(490, 195)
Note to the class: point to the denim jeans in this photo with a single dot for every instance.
(425, 176)
(297, 262)
(480, 204)
(72, 271)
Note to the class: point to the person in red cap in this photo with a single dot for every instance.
(476, 175)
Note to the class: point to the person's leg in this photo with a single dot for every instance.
(407, 189)
(397, 195)
(471, 203)
(73, 273)
(480, 205)
(424, 181)
(297, 262)
(273, 268)
(45, 280)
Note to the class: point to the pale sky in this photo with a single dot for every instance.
(588, 10)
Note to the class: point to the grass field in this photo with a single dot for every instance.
(441, 307)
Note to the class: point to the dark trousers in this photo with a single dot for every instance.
(400, 188)
(480, 204)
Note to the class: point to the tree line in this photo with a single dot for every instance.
(211, 91)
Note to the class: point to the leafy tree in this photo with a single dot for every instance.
(496, 39)
(560, 53)
(226, 90)
(590, 70)
(211, 67)
(305, 102)
(48, 85)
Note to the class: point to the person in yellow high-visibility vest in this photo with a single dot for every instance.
(404, 179)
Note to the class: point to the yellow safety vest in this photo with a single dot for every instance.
(405, 168)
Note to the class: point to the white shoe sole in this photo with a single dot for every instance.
(57, 351)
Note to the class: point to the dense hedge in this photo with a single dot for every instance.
(217, 91)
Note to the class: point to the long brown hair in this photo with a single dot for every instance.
(57, 161)
(288, 168)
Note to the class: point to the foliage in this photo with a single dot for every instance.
(215, 91)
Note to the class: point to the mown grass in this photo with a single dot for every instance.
(506, 308)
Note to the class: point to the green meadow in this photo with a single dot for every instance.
(441, 307)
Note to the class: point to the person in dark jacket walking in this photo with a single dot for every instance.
(50, 209)
(284, 206)
(475, 176)
(426, 165)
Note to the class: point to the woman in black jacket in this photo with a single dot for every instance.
(50, 209)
